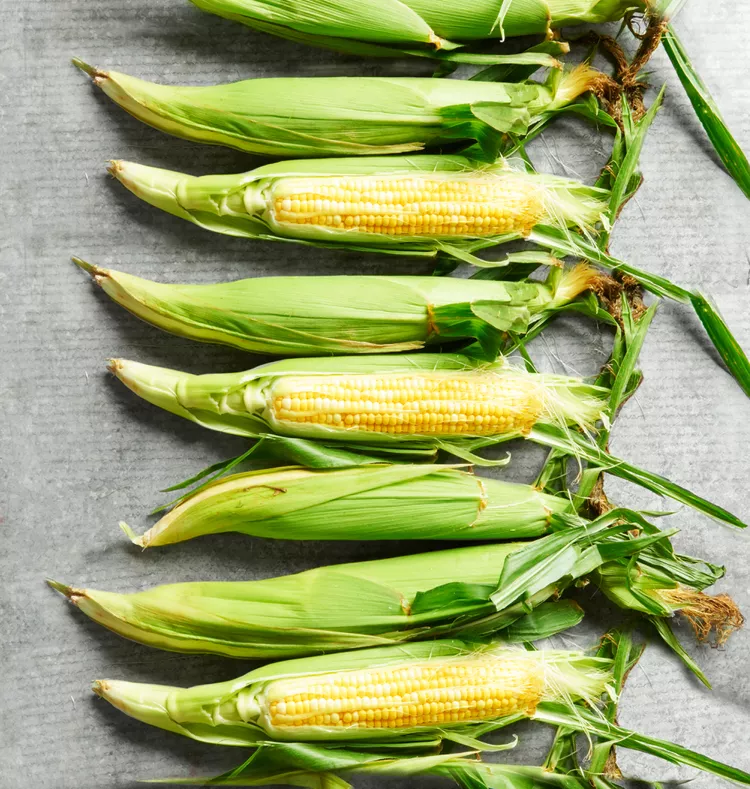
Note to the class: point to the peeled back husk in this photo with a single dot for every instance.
(388, 502)
(311, 316)
(419, 691)
(372, 400)
(346, 116)
(403, 205)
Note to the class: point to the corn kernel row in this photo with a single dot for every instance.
(482, 405)
(421, 695)
(416, 206)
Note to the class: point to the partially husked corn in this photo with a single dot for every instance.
(372, 399)
(409, 696)
(427, 205)
(427, 404)
(372, 695)
(416, 206)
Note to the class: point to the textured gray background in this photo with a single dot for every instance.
(81, 453)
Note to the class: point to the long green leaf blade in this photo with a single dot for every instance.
(726, 147)
(559, 715)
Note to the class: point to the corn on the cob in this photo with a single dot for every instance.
(370, 399)
(346, 116)
(399, 205)
(376, 694)
(397, 502)
(416, 27)
(469, 592)
(310, 316)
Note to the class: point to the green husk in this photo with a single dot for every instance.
(465, 592)
(317, 766)
(241, 205)
(237, 712)
(394, 502)
(311, 316)
(347, 116)
(416, 27)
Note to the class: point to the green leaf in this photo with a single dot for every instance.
(664, 629)
(516, 72)
(578, 446)
(726, 345)
(544, 621)
(730, 153)
(626, 368)
(593, 724)
(630, 162)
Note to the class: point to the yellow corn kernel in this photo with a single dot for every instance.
(423, 205)
(425, 694)
(428, 404)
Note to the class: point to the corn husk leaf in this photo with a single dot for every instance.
(358, 503)
(350, 116)
(573, 444)
(310, 316)
(320, 767)
(237, 205)
(516, 72)
(414, 27)
(471, 592)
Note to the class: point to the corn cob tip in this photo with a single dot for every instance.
(115, 168)
(66, 591)
(92, 71)
(132, 536)
(100, 687)
(89, 268)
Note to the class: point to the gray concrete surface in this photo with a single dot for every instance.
(80, 453)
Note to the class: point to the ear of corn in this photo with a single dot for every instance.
(371, 399)
(400, 205)
(344, 116)
(398, 502)
(377, 694)
(329, 766)
(417, 27)
(472, 592)
(310, 316)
